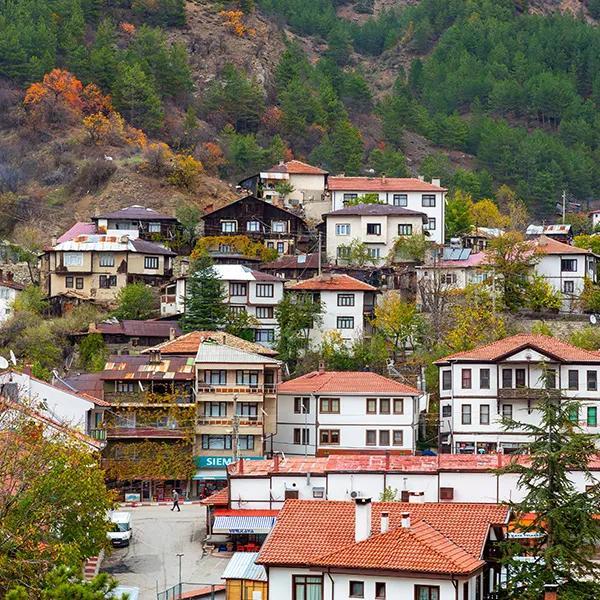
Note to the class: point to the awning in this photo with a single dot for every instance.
(243, 524)
(208, 476)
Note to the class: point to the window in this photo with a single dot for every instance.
(125, 387)
(592, 381)
(371, 406)
(264, 335)
(253, 226)
(153, 227)
(379, 590)
(329, 405)
(446, 410)
(592, 416)
(427, 592)
(400, 199)
(568, 264)
(348, 197)
(237, 310)
(506, 378)
(551, 379)
(264, 290)
(384, 437)
(308, 587)
(507, 411)
(371, 437)
(228, 226)
(447, 380)
(357, 589)
(484, 414)
(69, 281)
(466, 379)
(270, 245)
(520, 378)
(573, 379)
(215, 377)
(238, 289)
(79, 282)
(397, 437)
(466, 414)
(150, 262)
(73, 259)
(247, 409)
(573, 414)
(301, 405)
(279, 226)
(246, 442)
(345, 299)
(106, 259)
(264, 312)
(343, 252)
(280, 247)
(404, 229)
(484, 379)
(449, 278)
(568, 287)
(330, 436)
(430, 224)
(398, 406)
(4, 293)
(428, 200)
(215, 409)
(342, 229)
(345, 322)
(384, 406)
(319, 493)
(246, 378)
(105, 281)
(216, 442)
(374, 252)
(373, 228)
(301, 436)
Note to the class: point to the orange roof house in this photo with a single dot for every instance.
(332, 282)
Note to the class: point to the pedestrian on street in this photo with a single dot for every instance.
(175, 501)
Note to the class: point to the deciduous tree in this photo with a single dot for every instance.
(135, 301)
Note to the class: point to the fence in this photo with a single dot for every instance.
(208, 591)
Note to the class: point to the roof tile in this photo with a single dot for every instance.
(333, 282)
(381, 184)
(190, 342)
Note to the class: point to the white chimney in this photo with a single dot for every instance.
(172, 333)
(362, 519)
(421, 178)
(416, 497)
(385, 521)
(437, 182)
(405, 520)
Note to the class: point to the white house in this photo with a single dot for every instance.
(253, 292)
(329, 411)
(595, 216)
(409, 193)
(378, 226)
(342, 550)
(345, 301)
(9, 290)
(506, 379)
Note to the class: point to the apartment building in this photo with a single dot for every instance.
(506, 379)
(413, 194)
(377, 226)
(326, 412)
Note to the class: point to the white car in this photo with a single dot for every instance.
(120, 533)
(131, 593)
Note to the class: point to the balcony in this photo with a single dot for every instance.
(98, 434)
(146, 432)
(168, 299)
(244, 421)
(526, 393)
(142, 399)
(213, 393)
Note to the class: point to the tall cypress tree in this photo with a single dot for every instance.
(205, 308)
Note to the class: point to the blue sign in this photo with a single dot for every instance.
(219, 462)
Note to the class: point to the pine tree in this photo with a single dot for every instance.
(205, 308)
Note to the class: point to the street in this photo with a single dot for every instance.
(151, 558)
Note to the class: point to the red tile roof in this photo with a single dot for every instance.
(381, 184)
(350, 382)
(443, 538)
(189, 343)
(548, 245)
(220, 498)
(547, 345)
(333, 282)
(296, 167)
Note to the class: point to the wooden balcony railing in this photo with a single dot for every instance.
(525, 393)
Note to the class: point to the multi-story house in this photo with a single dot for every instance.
(295, 268)
(137, 221)
(95, 267)
(505, 379)
(307, 184)
(237, 409)
(327, 412)
(259, 220)
(378, 550)
(9, 290)
(377, 226)
(247, 291)
(347, 304)
(413, 194)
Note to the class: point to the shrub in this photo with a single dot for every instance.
(93, 175)
(185, 172)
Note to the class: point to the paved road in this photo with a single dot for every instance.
(158, 535)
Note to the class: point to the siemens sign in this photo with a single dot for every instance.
(219, 462)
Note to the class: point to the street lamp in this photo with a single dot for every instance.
(180, 556)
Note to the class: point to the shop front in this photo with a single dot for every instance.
(243, 530)
(211, 475)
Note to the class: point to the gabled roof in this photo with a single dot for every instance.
(333, 282)
(190, 342)
(89, 384)
(296, 261)
(550, 346)
(352, 382)
(547, 245)
(140, 367)
(11, 283)
(381, 184)
(288, 213)
(136, 328)
(376, 210)
(212, 352)
(219, 498)
(110, 243)
(242, 273)
(449, 537)
(77, 229)
(136, 212)
(295, 167)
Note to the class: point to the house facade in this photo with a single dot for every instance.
(505, 379)
(137, 221)
(294, 268)
(9, 290)
(327, 412)
(347, 304)
(412, 194)
(377, 226)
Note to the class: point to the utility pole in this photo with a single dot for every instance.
(319, 251)
(564, 205)
(235, 429)
(180, 556)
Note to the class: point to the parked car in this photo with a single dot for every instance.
(120, 533)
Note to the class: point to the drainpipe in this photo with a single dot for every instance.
(332, 584)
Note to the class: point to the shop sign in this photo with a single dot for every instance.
(133, 497)
(219, 462)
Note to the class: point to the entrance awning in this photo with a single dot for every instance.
(246, 521)
(204, 476)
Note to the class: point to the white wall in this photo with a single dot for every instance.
(7, 297)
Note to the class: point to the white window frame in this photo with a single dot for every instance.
(151, 260)
(106, 259)
(229, 226)
(343, 229)
(73, 259)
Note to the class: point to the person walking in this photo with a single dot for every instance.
(175, 501)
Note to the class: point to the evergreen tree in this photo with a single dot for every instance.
(104, 55)
(205, 308)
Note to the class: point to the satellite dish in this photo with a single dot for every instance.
(3, 363)
(13, 358)
(593, 319)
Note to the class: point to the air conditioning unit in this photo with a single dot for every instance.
(355, 495)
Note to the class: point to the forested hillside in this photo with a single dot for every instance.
(480, 92)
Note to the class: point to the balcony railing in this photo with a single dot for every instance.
(223, 389)
(146, 431)
(98, 434)
(244, 421)
(525, 393)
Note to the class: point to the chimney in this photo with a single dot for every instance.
(53, 241)
(154, 356)
(275, 463)
(27, 369)
(362, 519)
(550, 591)
(417, 497)
(405, 520)
(321, 367)
(385, 521)
(241, 466)
(383, 178)
(172, 333)
(437, 182)
(421, 178)
(387, 460)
